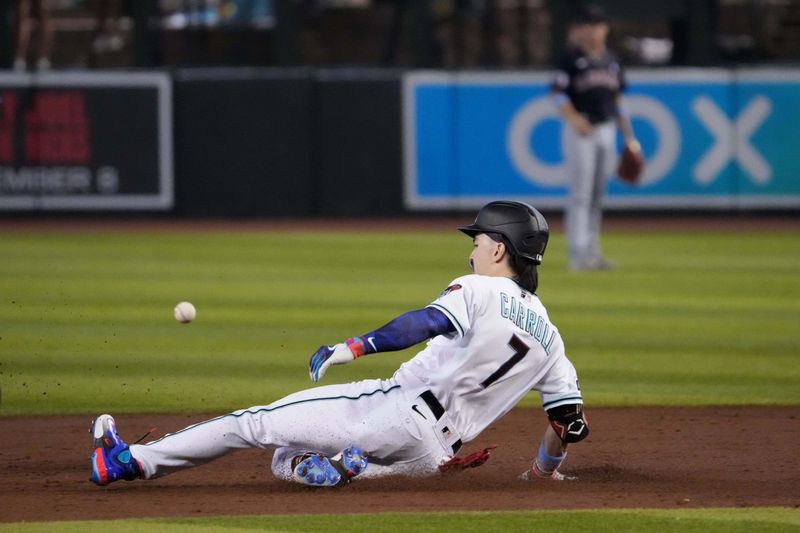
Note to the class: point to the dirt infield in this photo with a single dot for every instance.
(635, 457)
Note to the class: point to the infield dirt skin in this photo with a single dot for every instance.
(634, 457)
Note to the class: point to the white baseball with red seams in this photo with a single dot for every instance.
(504, 346)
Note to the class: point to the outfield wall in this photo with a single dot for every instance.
(288, 142)
(350, 142)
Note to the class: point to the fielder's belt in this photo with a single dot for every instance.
(438, 411)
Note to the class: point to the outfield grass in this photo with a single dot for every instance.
(86, 319)
(616, 521)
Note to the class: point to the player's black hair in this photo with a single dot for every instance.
(527, 276)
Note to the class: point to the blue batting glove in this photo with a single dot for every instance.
(325, 356)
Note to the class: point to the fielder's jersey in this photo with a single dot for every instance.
(504, 346)
(592, 85)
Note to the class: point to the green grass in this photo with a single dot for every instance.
(684, 520)
(687, 319)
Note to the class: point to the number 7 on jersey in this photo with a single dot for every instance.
(520, 350)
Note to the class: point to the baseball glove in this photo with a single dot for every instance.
(631, 164)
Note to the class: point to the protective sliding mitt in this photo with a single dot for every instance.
(472, 460)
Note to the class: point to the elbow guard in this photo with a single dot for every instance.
(569, 422)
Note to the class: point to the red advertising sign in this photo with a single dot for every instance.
(85, 141)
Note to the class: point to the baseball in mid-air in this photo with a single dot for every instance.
(185, 312)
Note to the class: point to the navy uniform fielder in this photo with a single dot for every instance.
(587, 88)
(491, 342)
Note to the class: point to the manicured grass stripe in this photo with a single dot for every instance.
(687, 319)
(651, 520)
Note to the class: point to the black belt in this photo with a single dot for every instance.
(438, 411)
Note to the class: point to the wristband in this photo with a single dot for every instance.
(357, 347)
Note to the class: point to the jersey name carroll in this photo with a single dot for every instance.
(527, 320)
(504, 346)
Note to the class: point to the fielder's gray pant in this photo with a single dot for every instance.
(590, 161)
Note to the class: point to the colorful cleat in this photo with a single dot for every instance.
(111, 459)
(320, 471)
(555, 475)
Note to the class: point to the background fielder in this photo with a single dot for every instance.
(587, 88)
(492, 342)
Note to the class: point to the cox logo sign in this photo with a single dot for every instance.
(712, 138)
(731, 139)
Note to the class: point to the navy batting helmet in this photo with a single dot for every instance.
(522, 225)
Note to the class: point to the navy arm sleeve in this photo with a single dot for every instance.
(406, 330)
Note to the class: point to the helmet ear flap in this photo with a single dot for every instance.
(533, 242)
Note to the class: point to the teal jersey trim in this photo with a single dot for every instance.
(574, 399)
(450, 315)
(269, 409)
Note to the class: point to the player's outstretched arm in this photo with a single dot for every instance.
(406, 330)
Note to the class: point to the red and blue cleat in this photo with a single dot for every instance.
(112, 459)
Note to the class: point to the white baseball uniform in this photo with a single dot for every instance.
(504, 346)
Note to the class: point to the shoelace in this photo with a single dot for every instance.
(140, 439)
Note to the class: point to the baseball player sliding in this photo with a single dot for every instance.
(491, 341)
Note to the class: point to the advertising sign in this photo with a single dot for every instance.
(85, 141)
(711, 137)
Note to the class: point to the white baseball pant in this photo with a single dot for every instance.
(375, 415)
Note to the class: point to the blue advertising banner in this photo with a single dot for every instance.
(712, 138)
